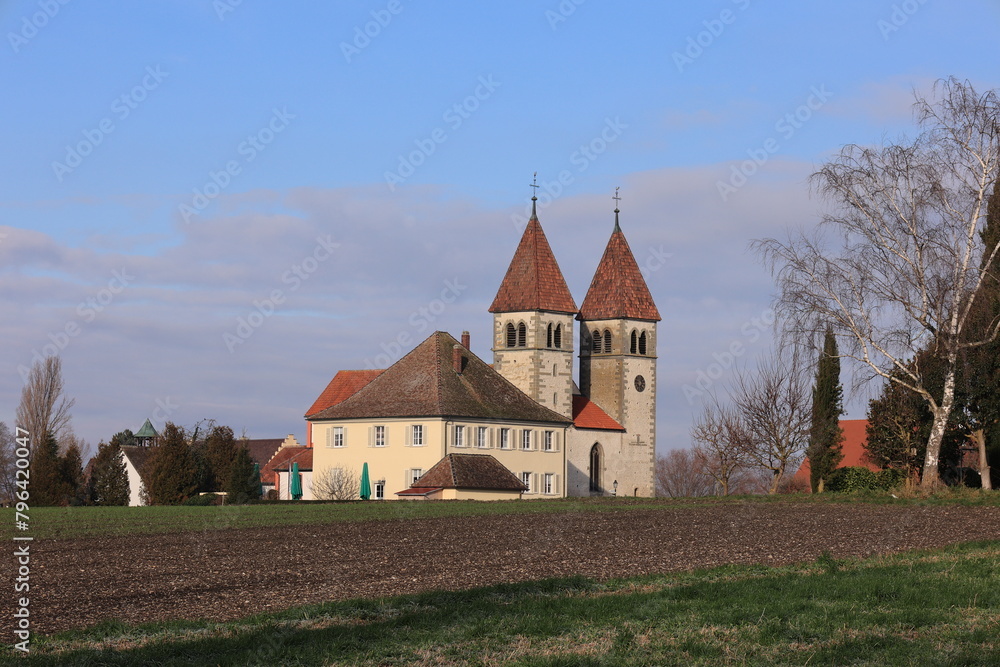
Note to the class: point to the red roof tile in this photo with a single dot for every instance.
(343, 385)
(618, 289)
(853, 448)
(468, 471)
(587, 414)
(284, 459)
(424, 384)
(533, 280)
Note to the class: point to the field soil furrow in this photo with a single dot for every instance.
(227, 574)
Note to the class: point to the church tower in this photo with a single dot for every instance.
(533, 323)
(618, 360)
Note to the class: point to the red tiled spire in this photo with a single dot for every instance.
(533, 280)
(618, 290)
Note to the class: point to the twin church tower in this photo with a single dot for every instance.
(442, 423)
(613, 409)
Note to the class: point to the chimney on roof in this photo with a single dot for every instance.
(456, 358)
(465, 340)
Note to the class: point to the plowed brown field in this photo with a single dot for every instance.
(232, 573)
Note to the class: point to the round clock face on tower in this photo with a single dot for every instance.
(640, 383)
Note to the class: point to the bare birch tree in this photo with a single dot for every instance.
(903, 261)
(720, 444)
(44, 409)
(775, 410)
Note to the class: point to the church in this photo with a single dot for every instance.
(443, 423)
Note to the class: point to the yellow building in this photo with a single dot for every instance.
(525, 411)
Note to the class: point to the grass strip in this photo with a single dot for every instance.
(939, 607)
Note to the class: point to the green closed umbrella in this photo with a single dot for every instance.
(295, 486)
(256, 476)
(366, 484)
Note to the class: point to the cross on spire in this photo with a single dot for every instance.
(617, 199)
(534, 196)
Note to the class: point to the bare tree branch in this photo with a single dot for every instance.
(898, 262)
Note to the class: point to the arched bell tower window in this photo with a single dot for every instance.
(596, 457)
(548, 335)
(596, 341)
(511, 335)
(607, 341)
(633, 346)
(522, 335)
(642, 342)
(557, 336)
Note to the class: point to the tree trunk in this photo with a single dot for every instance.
(984, 465)
(931, 478)
(819, 487)
(774, 483)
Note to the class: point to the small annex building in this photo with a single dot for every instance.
(465, 477)
(557, 437)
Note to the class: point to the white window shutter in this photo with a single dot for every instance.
(329, 436)
(555, 485)
(371, 436)
(534, 482)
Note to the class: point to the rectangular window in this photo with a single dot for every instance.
(380, 436)
(547, 441)
(415, 474)
(460, 436)
(525, 439)
(548, 486)
(417, 435)
(482, 439)
(380, 490)
(526, 480)
(505, 438)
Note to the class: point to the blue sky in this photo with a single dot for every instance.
(169, 167)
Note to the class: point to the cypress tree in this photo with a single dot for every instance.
(220, 451)
(71, 469)
(825, 435)
(243, 483)
(108, 477)
(48, 485)
(171, 473)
